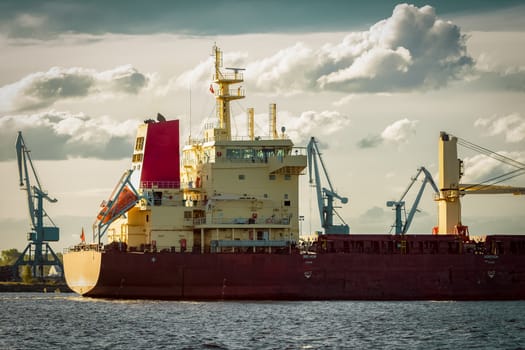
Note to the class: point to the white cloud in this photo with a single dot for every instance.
(300, 129)
(202, 74)
(511, 126)
(283, 73)
(286, 72)
(43, 89)
(396, 133)
(60, 135)
(378, 62)
(410, 50)
(399, 131)
(345, 100)
(481, 168)
(317, 124)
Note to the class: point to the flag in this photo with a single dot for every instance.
(82, 236)
(211, 89)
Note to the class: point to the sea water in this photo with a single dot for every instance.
(68, 321)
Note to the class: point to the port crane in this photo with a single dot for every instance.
(38, 250)
(451, 190)
(401, 227)
(325, 196)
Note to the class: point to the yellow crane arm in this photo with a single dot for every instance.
(490, 189)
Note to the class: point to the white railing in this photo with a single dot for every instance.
(160, 184)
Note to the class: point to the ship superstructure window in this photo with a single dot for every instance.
(287, 203)
(254, 155)
(137, 157)
(287, 177)
(241, 154)
(139, 145)
(271, 177)
(280, 154)
(241, 177)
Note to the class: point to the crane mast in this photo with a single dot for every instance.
(325, 196)
(38, 252)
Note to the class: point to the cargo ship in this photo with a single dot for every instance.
(219, 219)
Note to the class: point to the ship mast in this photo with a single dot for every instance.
(225, 94)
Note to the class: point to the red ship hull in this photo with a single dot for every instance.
(295, 276)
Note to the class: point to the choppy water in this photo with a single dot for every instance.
(67, 321)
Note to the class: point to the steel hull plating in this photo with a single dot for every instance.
(295, 276)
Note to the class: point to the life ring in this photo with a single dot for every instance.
(219, 153)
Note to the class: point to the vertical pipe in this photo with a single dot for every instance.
(250, 124)
(273, 121)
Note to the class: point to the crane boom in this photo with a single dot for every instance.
(21, 154)
(490, 189)
(325, 196)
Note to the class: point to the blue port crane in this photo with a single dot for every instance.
(38, 252)
(401, 227)
(325, 196)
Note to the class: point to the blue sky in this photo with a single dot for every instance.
(374, 81)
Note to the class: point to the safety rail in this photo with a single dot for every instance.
(236, 76)
(85, 247)
(160, 184)
(218, 246)
(239, 92)
(242, 221)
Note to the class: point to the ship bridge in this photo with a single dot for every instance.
(239, 190)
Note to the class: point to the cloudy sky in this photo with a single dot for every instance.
(374, 81)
